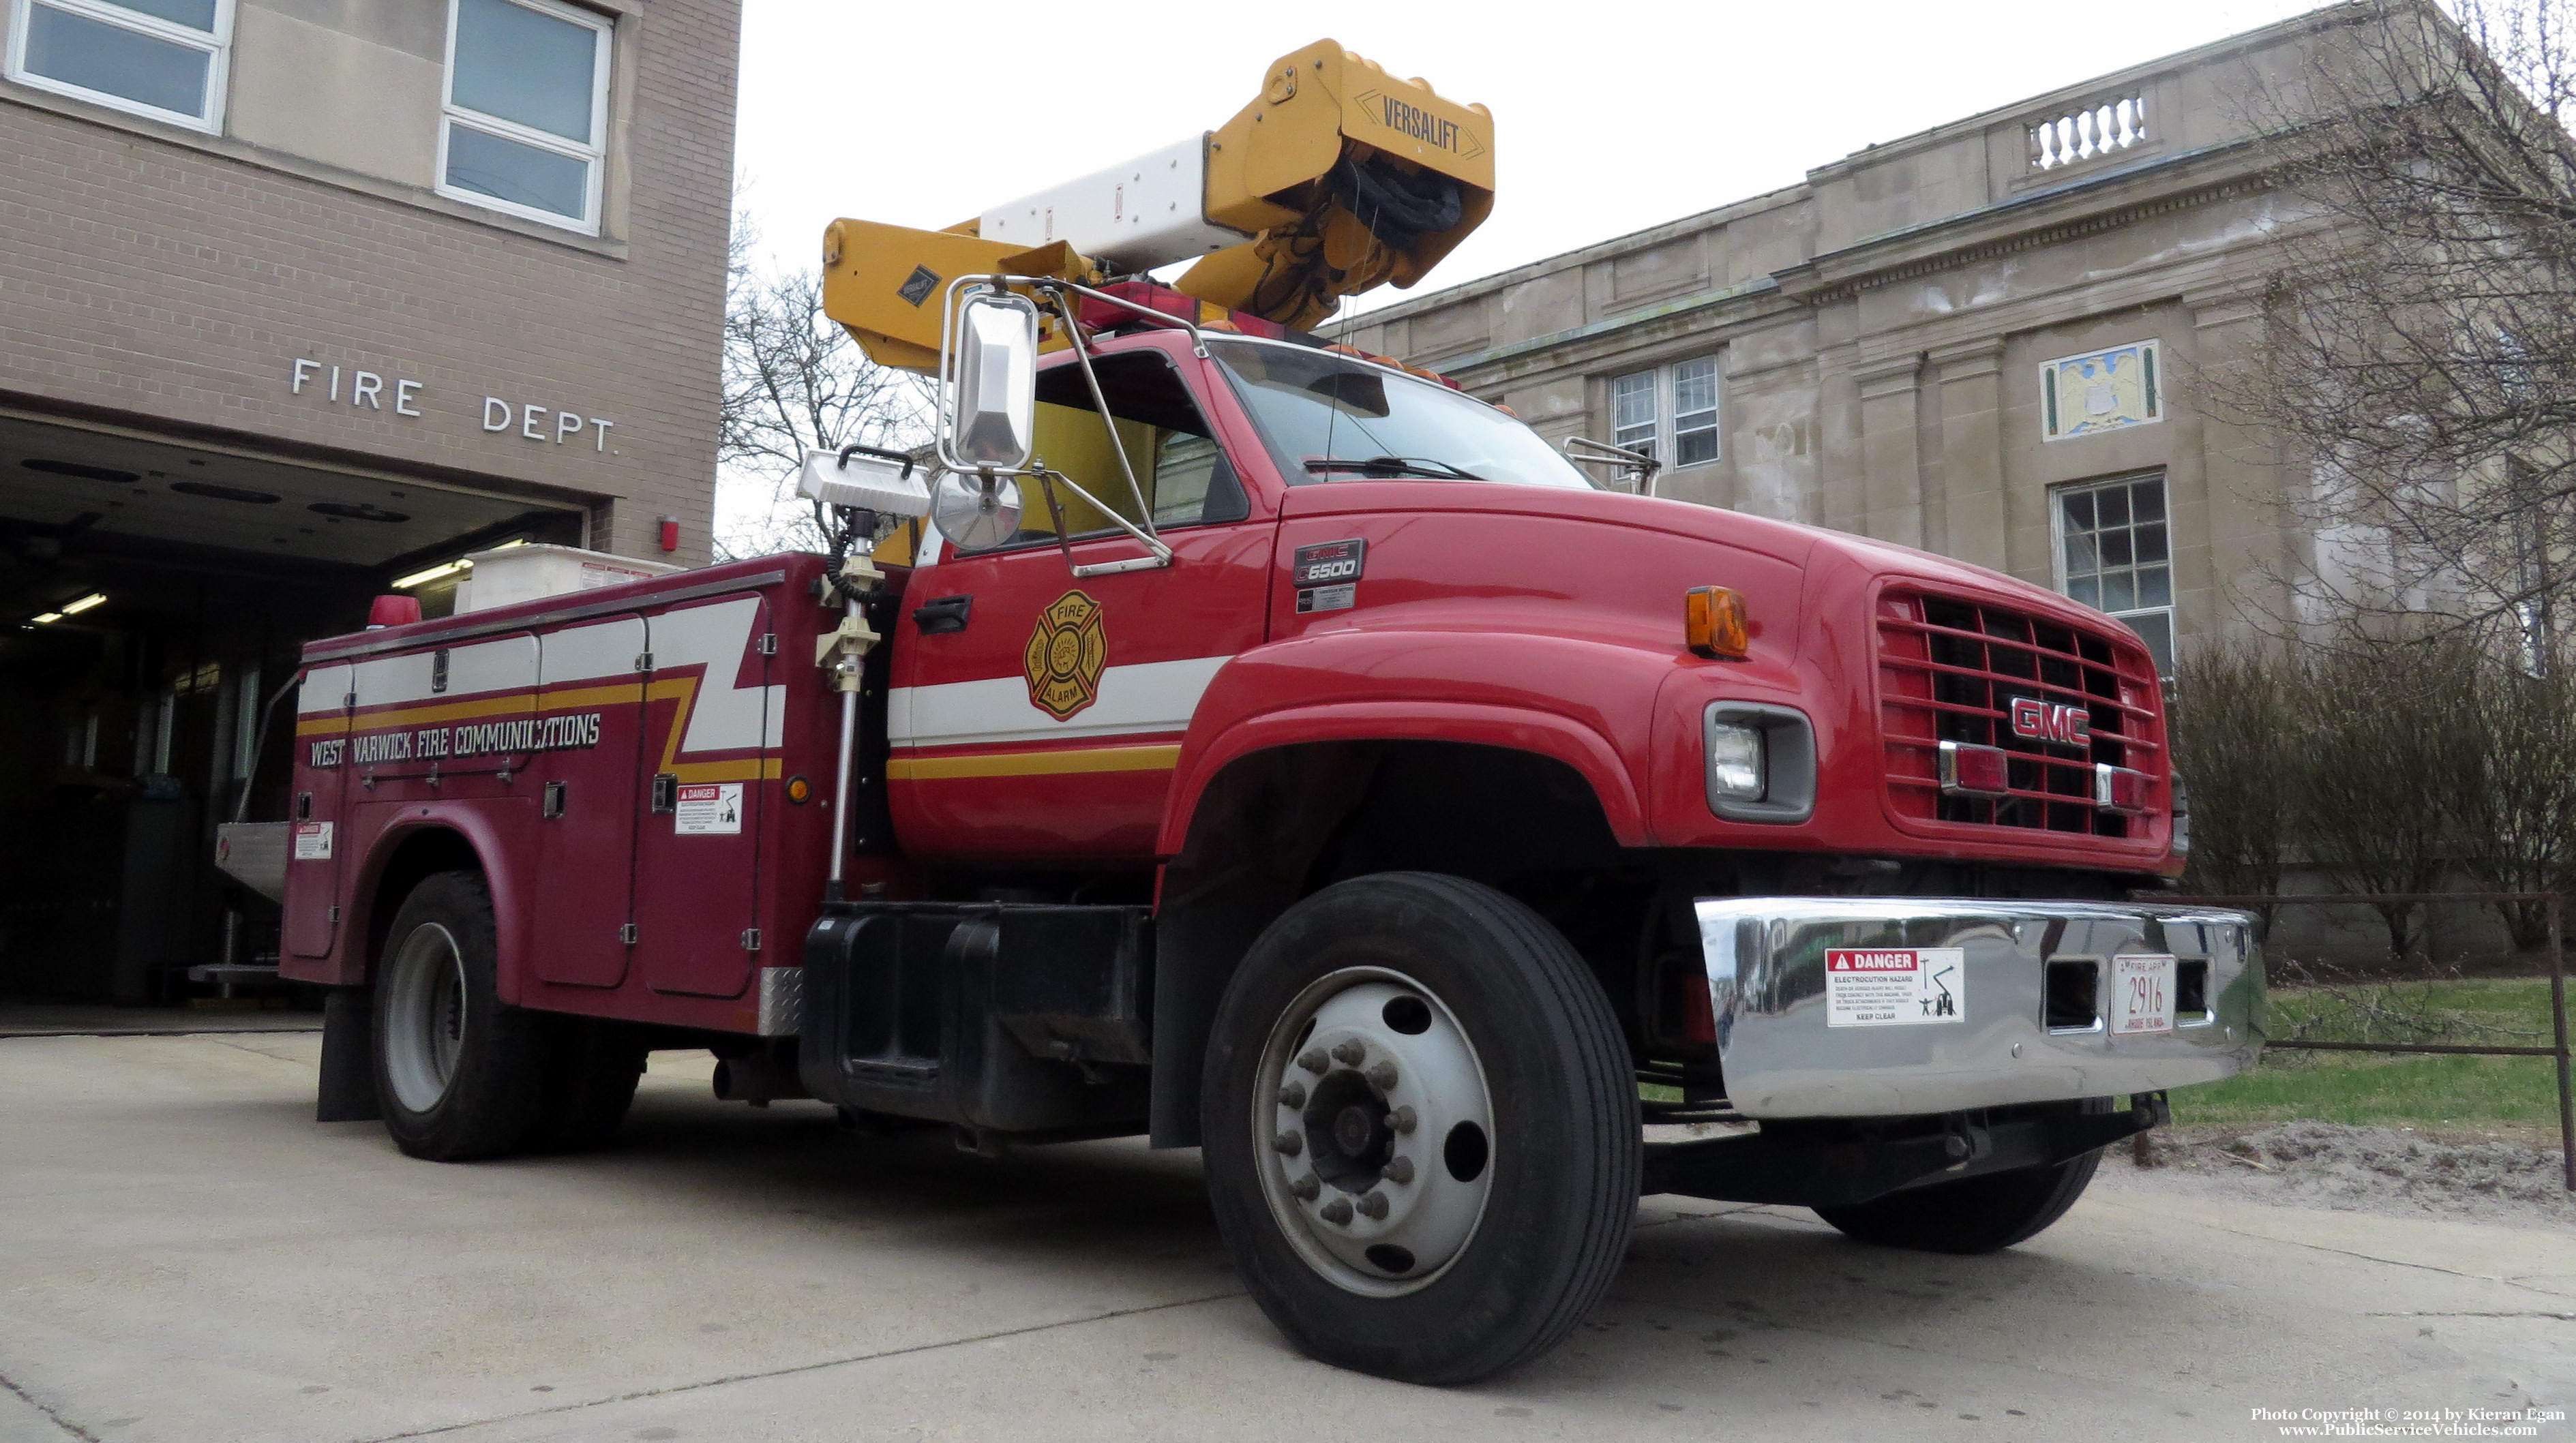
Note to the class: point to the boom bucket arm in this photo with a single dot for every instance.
(1338, 179)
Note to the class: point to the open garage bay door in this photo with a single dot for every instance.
(153, 595)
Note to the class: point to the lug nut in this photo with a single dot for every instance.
(1373, 1205)
(1338, 1211)
(1349, 1053)
(1305, 1188)
(1398, 1169)
(1382, 1077)
(1289, 1143)
(1314, 1060)
(1401, 1120)
(1293, 1096)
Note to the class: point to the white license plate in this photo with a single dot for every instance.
(2142, 995)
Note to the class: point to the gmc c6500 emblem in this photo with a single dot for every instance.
(2047, 721)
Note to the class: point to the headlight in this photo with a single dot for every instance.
(1761, 762)
(1735, 761)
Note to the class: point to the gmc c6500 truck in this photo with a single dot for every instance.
(1220, 736)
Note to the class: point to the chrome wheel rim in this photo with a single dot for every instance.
(424, 1017)
(1373, 1129)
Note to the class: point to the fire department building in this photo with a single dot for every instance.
(1982, 340)
(300, 301)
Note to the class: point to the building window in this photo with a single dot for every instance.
(2113, 554)
(158, 58)
(2101, 391)
(527, 109)
(1669, 413)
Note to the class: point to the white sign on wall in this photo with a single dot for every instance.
(403, 396)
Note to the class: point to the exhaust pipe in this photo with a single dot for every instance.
(759, 1079)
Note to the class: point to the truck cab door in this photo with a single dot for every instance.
(314, 846)
(1036, 716)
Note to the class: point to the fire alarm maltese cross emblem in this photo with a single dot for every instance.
(1066, 651)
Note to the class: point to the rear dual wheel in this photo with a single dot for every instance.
(461, 1075)
(1420, 1129)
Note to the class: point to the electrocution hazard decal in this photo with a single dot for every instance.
(708, 810)
(1894, 986)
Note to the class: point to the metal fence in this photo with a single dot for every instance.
(2557, 991)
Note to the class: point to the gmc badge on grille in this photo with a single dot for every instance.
(1329, 562)
(2048, 721)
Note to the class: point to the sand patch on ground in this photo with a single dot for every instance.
(2362, 1169)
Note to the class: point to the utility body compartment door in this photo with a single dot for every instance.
(587, 773)
(711, 731)
(314, 815)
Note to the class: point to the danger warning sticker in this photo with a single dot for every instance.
(313, 841)
(711, 809)
(1894, 986)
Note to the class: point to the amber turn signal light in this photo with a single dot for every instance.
(1715, 624)
(799, 790)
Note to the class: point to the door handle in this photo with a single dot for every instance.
(942, 614)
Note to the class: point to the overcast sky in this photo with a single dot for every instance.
(1609, 115)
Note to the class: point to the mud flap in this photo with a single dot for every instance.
(347, 1092)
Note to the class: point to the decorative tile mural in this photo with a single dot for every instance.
(2100, 391)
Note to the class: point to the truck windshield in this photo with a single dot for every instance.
(1326, 418)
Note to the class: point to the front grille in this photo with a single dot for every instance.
(1950, 670)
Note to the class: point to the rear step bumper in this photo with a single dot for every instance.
(1855, 1007)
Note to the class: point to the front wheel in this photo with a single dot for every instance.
(1420, 1127)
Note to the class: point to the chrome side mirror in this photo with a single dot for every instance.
(989, 370)
(973, 512)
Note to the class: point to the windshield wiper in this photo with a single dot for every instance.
(1392, 466)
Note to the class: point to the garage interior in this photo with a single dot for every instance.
(153, 597)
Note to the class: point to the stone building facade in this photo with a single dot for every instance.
(1987, 340)
(300, 302)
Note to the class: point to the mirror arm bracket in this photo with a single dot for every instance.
(1597, 453)
(1118, 444)
(1198, 338)
(1159, 553)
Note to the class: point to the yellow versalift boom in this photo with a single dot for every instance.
(1338, 179)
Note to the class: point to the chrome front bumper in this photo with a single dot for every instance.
(1788, 1051)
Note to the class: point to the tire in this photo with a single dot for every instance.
(457, 1073)
(1504, 1155)
(1979, 1215)
(592, 1066)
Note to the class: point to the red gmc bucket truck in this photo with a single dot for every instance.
(1265, 748)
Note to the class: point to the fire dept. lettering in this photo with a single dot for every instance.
(536, 734)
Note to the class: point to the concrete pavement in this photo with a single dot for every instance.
(184, 1255)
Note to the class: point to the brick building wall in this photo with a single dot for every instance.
(172, 280)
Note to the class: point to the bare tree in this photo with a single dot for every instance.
(795, 382)
(2522, 827)
(2391, 757)
(2235, 740)
(2422, 355)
